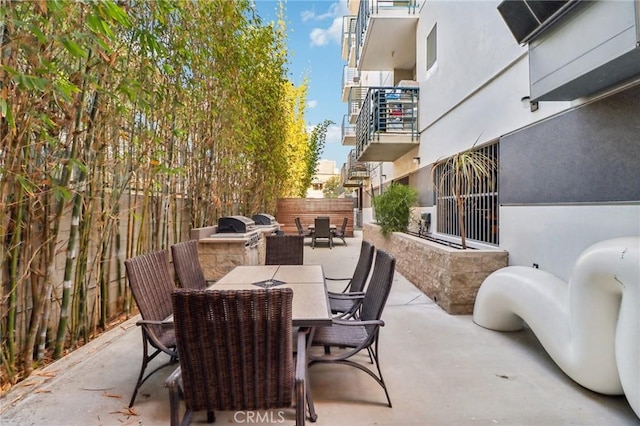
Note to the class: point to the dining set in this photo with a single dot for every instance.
(322, 228)
(246, 341)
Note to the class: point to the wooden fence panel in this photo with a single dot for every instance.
(308, 208)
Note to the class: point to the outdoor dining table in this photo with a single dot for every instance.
(310, 301)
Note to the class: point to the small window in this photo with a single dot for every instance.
(432, 47)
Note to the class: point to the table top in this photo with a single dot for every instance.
(310, 303)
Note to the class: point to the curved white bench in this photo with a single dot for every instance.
(590, 326)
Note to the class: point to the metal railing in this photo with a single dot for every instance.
(387, 110)
(348, 129)
(481, 206)
(356, 170)
(350, 76)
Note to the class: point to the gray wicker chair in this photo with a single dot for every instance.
(284, 250)
(322, 229)
(236, 353)
(187, 265)
(350, 336)
(301, 231)
(341, 232)
(151, 285)
(347, 302)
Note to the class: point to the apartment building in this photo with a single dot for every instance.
(549, 89)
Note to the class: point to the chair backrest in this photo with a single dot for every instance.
(322, 228)
(284, 250)
(379, 287)
(343, 228)
(235, 348)
(299, 226)
(151, 284)
(187, 265)
(363, 267)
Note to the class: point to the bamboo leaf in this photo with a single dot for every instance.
(73, 48)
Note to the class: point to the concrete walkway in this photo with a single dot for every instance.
(440, 370)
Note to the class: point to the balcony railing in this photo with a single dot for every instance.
(344, 178)
(356, 170)
(389, 116)
(348, 131)
(348, 37)
(350, 78)
(357, 95)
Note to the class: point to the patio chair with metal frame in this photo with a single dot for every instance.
(341, 232)
(350, 336)
(347, 302)
(187, 265)
(151, 285)
(322, 229)
(306, 233)
(284, 250)
(236, 353)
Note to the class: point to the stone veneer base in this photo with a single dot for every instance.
(450, 277)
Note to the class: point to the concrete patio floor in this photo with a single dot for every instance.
(440, 370)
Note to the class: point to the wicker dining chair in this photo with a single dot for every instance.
(341, 232)
(187, 265)
(284, 250)
(236, 353)
(350, 336)
(347, 302)
(322, 229)
(301, 231)
(151, 285)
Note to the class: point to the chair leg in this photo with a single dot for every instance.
(145, 361)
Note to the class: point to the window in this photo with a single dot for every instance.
(432, 47)
(480, 208)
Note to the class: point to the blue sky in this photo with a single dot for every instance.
(314, 29)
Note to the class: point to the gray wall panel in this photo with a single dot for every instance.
(590, 154)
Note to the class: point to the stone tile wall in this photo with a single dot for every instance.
(450, 277)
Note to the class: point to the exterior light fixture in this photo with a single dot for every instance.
(527, 102)
(416, 160)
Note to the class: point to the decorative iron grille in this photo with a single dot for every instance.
(481, 205)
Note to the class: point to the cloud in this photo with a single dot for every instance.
(334, 134)
(321, 36)
(312, 104)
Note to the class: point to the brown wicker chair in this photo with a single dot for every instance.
(340, 232)
(322, 230)
(151, 285)
(347, 302)
(350, 336)
(236, 353)
(187, 265)
(284, 250)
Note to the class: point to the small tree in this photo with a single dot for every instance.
(393, 208)
(331, 188)
(459, 176)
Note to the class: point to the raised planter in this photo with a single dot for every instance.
(451, 277)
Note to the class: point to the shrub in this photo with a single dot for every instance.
(393, 208)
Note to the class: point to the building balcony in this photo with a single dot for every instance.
(386, 35)
(387, 125)
(356, 170)
(349, 39)
(357, 95)
(348, 131)
(350, 78)
(344, 178)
